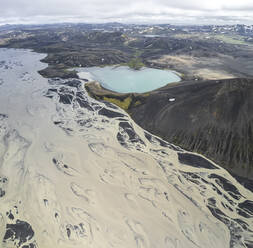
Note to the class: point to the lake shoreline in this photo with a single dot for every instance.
(123, 79)
(122, 100)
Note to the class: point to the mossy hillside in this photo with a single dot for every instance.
(128, 102)
(122, 104)
(135, 64)
(125, 101)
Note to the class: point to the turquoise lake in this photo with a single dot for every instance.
(122, 79)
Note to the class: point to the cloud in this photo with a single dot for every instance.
(127, 11)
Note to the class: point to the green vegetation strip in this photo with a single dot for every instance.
(235, 40)
(122, 104)
(135, 64)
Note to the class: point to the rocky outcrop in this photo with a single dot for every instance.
(214, 118)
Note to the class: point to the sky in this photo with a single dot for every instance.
(127, 11)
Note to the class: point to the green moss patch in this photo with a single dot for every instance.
(122, 104)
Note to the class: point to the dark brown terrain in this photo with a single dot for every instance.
(214, 118)
(197, 52)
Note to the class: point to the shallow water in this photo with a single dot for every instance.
(75, 172)
(122, 79)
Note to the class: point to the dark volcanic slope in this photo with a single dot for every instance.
(214, 118)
